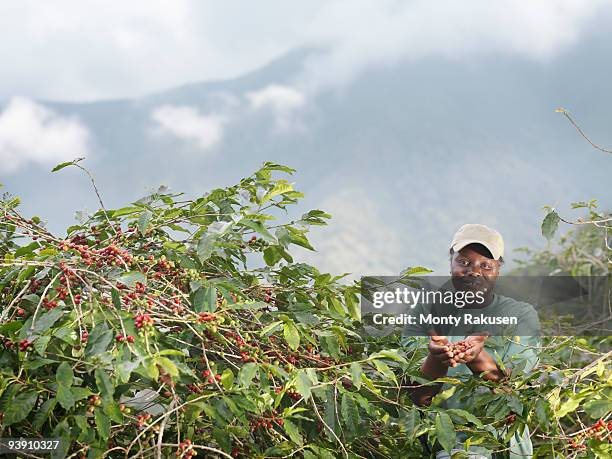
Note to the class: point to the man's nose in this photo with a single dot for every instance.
(474, 271)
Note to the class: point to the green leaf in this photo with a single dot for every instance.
(206, 246)
(281, 187)
(104, 384)
(293, 432)
(60, 166)
(550, 224)
(150, 368)
(445, 431)
(541, 412)
(410, 421)
(356, 372)
(597, 409)
(350, 412)
(125, 211)
(353, 306)
(515, 404)
(601, 450)
(259, 228)
(227, 378)
(330, 413)
(111, 409)
(131, 278)
(37, 363)
(64, 374)
(168, 365)
(415, 271)
(41, 343)
(125, 369)
(270, 327)
(443, 396)
(42, 414)
(384, 369)
(19, 408)
(46, 321)
(79, 393)
(303, 384)
(204, 299)
(103, 424)
(272, 255)
(116, 297)
(569, 405)
(144, 221)
(247, 373)
(292, 336)
(65, 397)
(98, 340)
(469, 417)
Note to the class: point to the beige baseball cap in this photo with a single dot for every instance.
(473, 233)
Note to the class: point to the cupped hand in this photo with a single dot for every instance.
(471, 348)
(440, 350)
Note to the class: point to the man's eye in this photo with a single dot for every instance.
(463, 262)
(487, 267)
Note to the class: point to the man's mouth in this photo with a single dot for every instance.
(472, 284)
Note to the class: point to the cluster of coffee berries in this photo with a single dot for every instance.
(458, 347)
(49, 304)
(291, 393)
(254, 243)
(175, 304)
(143, 419)
(124, 409)
(236, 338)
(68, 275)
(186, 449)
(598, 431)
(120, 338)
(266, 422)
(93, 402)
(245, 356)
(206, 317)
(35, 285)
(268, 297)
(25, 345)
(143, 321)
(166, 378)
(210, 377)
(194, 388)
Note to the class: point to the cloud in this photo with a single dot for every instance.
(282, 100)
(32, 133)
(361, 33)
(134, 48)
(188, 124)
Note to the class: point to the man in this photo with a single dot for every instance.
(476, 257)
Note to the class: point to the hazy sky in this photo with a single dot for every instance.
(87, 50)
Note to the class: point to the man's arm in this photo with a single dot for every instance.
(485, 364)
(434, 366)
(480, 361)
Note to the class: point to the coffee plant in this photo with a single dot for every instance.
(177, 327)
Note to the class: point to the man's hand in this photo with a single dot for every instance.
(440, 349)
(473, 346)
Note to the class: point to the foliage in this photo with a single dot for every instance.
(178, 325)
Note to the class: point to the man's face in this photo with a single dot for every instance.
(473, 269)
